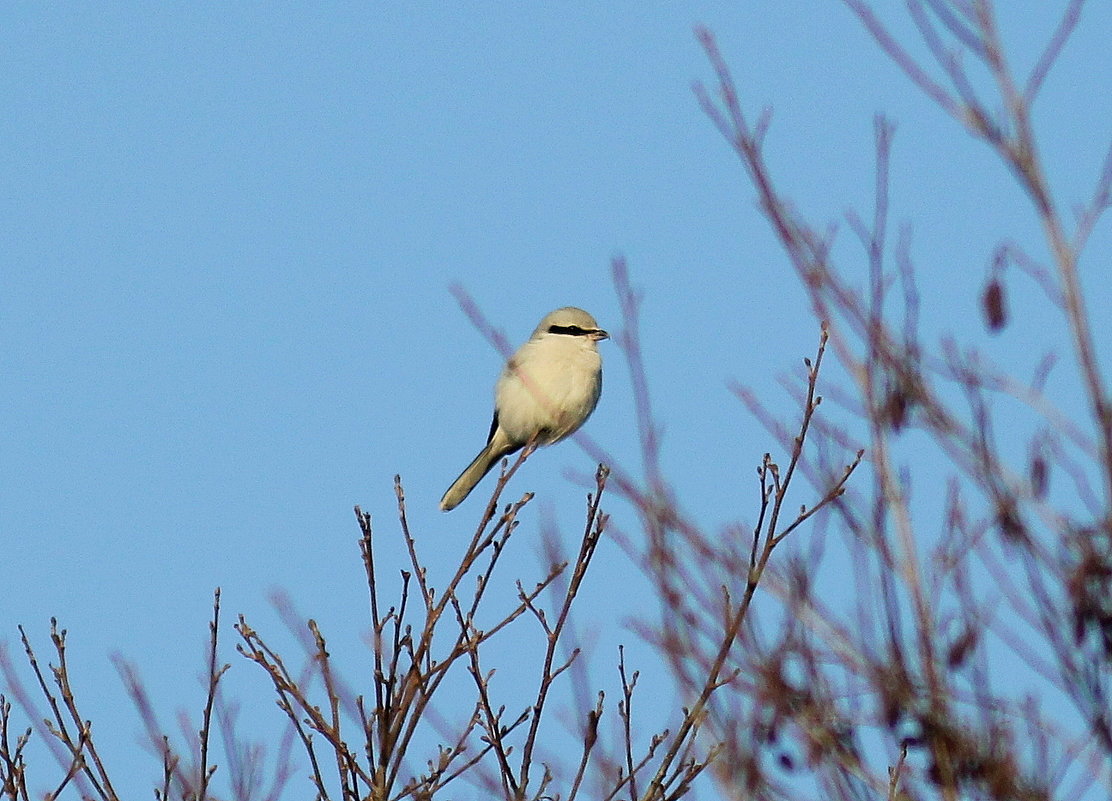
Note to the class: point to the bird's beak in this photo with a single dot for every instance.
(599, 334)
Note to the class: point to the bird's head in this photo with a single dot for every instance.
(570, 321)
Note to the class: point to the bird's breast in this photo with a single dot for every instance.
(548, 389)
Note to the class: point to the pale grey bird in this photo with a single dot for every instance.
(547, 390)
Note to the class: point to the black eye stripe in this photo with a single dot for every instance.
(570, 330)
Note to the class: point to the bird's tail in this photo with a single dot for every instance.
(472, 474)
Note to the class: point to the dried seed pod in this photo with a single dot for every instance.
(895, 408)
(994, 305)
(1040, 478)
(960, 649)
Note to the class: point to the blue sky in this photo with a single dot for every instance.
(230, 232)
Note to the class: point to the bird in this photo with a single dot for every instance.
(546, 391)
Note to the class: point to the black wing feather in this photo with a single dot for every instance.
(493, 427)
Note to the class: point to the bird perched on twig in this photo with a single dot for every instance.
(547, 390)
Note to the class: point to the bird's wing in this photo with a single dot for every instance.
(493, 427)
